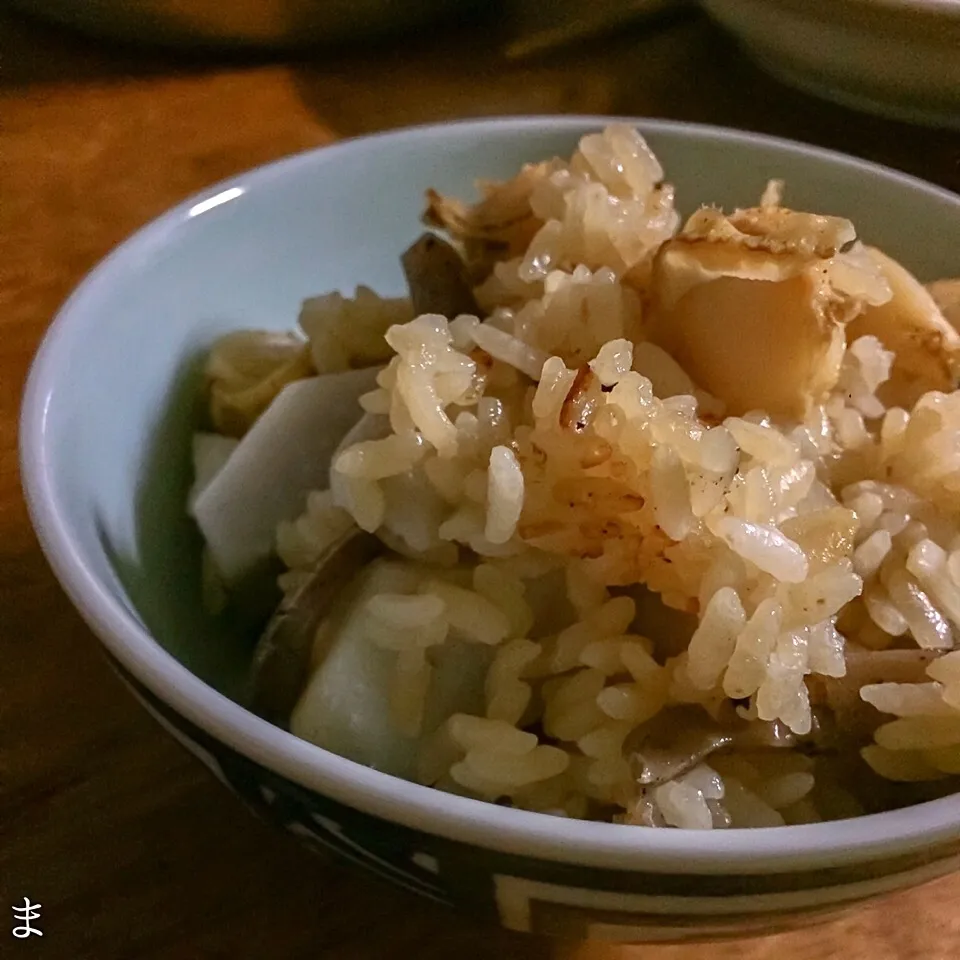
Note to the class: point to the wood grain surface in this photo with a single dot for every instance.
(132, 849)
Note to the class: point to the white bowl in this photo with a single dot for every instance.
(105, 448)
(897, 58)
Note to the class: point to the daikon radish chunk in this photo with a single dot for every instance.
(347, 704)
(284, 456)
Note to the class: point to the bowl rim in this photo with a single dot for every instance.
(507, 830)
(947, 8)
(832, 10)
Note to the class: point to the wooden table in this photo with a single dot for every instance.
(132, 849)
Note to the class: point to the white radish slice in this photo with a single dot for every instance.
(346, 705)
(283, 456)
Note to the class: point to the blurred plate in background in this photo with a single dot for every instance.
(898, 58)
(244, 23)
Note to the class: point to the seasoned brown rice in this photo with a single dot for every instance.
(616, 433)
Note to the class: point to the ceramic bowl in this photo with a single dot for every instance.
(897, 58)
(105, 435)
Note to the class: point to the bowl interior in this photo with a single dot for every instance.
(112, 404)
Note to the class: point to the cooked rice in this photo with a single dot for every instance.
(550, 434)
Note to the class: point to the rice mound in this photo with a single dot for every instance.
(561, 490)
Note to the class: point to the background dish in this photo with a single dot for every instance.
(243, 24)
(898, 58)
